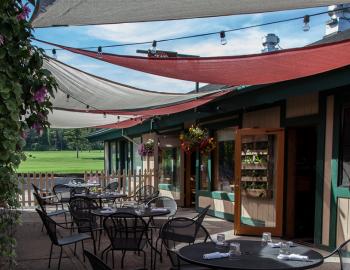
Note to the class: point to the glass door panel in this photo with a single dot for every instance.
(259, 181)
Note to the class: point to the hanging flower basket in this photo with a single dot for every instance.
(197, 138)
(146, 149)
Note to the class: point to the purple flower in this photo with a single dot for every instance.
(40, 95)
(2, 40)
(25, 12)
(38, 127)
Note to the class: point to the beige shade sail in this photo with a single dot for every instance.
(93, 12)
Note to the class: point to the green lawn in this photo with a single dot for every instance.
(62, 161)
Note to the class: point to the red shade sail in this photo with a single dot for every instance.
(237, 70)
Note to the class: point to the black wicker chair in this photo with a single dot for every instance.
(112, 186)
(47, 198)
(80, 209)
(42, 205)
(126, 232)
(163, 202)
(62, 192)
(51, 227)
(95, 262)
(189, 230)
(178, 232)
(144, 194)
(343, 251)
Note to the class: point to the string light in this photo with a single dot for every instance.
(118, 117)
(223, 38)
(154, 47)
(99, 52)
(54, 54)
(202, 34)
(67, 99)
(87, 108)
(306, 20)
(104, 115)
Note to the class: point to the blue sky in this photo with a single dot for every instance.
(240, 42)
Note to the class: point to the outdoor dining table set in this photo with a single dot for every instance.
(130, 226)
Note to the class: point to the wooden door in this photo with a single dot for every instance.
(259, 159)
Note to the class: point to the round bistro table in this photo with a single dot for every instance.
(254, 257)
(148, 213)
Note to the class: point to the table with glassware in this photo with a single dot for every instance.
(252, 255)
(102, 196)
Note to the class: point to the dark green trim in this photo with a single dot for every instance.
(219, 195)
(341, 96)
(320, 152)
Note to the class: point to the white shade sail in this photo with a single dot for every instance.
(91, 12)
(85, 100)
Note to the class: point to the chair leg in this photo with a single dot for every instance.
(42, 228)
(82, 246)
(93, 241)
(113, 258)
(144, 260)
(122, 258)
(59, 261)
(50, 254)
(75, 249)
(99, 240)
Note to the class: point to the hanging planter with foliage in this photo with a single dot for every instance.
(197, 138)
(146, 149)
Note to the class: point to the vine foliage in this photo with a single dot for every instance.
(25, 91)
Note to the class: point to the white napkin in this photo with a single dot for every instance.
(274, 245)
(293, 257)
(107, 211)
(159, 210)
(215, 255)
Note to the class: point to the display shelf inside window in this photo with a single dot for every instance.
(257, 166)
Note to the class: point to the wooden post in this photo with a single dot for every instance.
(29, 188)
(124, 181)
(23, 193)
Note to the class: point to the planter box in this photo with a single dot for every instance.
(257, 193)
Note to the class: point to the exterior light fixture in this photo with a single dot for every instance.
(54, 54)
(306, 26)
(223, 39)
(104, 115)
(68, 96)
(99, 52)
(87, 108)
(154, 47)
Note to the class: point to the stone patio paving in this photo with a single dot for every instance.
(34, 246)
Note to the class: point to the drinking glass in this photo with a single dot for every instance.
(220, 239)
(266, 238)
(142, 208)
(235, 250)
(285, 248)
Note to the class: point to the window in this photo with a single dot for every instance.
(113, 157)
(225, 159)
(204, 172)
(169, 166)
(345, 147)
(137, 159)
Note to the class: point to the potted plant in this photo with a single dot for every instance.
(146, 148)
(197, 138)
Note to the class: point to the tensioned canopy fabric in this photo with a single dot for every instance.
(88, 12)
(252, 69)
(90, 97)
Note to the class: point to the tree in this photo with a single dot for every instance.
(76, 139)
